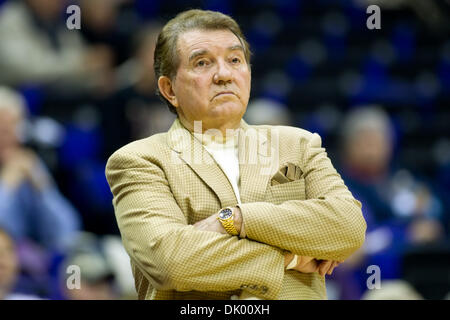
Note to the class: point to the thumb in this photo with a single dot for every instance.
(303, 260)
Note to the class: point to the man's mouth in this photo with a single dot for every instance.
(224, 93)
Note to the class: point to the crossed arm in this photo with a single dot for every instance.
(304, 264)
(171, 253)
(174, 255)
(329, 225)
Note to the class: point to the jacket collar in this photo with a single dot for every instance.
(181, 139)
(257, 161)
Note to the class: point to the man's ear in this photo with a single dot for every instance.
(165, 87)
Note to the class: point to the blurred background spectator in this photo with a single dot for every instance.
(400, 209)
(267, 111)
(39, 219)
(31, 206)
(38, 48)
(134, 107)
(378, 98)
(9, 270)
(104, 269)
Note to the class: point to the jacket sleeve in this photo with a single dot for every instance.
(327, 225)
(174, 255)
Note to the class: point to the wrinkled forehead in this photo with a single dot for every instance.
(208, 41)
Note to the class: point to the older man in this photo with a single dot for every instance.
(216, 208)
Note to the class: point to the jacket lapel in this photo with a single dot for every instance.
(258, 160)
(191, 151)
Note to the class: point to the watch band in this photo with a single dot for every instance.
(228, 224)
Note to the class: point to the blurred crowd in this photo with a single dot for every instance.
(70, 98)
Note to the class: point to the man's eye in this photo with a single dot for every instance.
(201, 63)
(235, 60)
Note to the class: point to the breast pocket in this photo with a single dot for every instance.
(294, 190)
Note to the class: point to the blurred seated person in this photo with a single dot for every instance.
(9, 270)
(400, 209)
(96, 279)
(262, 111)
(135, 111)
(389, 192)
(38, 48)
(31, 206)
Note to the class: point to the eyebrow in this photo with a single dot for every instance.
(202, 52)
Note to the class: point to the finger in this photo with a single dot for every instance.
(330, 267)
(310, 267)
(324, 266)
(207, 228)
(314, 265)
(200, 225)
(334, 265)
(337, 263)
(303, 261)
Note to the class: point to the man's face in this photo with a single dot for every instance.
(212, 83)
(370, 151)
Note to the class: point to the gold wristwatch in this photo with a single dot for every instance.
(226, 217)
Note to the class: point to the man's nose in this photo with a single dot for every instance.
(223, 73)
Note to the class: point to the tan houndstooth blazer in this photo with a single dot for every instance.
(292, 199)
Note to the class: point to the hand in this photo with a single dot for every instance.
(213, 224)
(16, 167)
(19, 165)
(327, 267)
(210, 224)
(307, 264)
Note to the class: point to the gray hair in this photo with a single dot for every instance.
(166, 59)
(370, 117)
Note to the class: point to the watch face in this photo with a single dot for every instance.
(225, 213)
